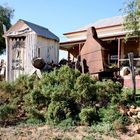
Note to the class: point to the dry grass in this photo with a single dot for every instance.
(44, 132)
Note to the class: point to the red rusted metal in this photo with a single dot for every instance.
(93, 52)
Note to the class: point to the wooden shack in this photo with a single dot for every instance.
(25, 41)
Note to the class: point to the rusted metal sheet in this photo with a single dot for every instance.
(92, 52)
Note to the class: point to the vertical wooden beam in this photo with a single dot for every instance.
(7, 58)
(79, 48)
(119, 51)
(68, 56)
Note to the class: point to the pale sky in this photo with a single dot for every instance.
(61, 16)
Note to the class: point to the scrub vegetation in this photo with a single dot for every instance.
(67, 99)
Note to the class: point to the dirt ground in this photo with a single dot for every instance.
(44, 132)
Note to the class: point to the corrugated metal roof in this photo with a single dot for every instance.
(104, 23)
(41, 31)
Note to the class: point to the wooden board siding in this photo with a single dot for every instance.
(49, 49)
(30, 52)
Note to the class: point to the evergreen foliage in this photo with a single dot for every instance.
(6, 13)
(62, 96)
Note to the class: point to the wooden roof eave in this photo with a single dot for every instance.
(23, 32)
(97, 28)
(69, 44)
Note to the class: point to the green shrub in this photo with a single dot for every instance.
(57, 112)
(108, 91)
(85, 90)
(67, 124)
(47, 91)
(35, 115)
(6, 86)
(7, 113)
(137, 102)
(4, 98)
(37, 97)
(27, 102)
(33, 121)
(15, 102)
(109, 114)
(63, 96)
(88, 115)
(23, 85)
(125, 96)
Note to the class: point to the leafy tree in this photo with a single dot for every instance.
(6, 13)
(132, 18)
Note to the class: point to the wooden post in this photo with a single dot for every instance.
(131, 63)
(79, 48)
(82, 65)
(7, 58)
(7, 53)
(68, 56)
(119, 50)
